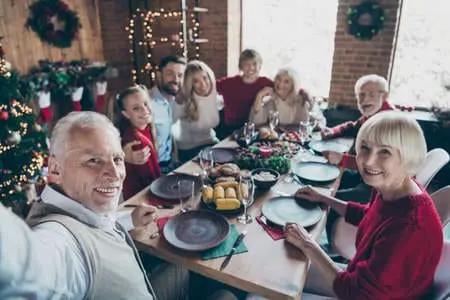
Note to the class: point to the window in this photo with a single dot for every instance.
(421, 69)
(293, 33)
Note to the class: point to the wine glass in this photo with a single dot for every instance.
(184, 187)
(247, 188)
(274, 119)
(249, 132)
(206, 162)
(304, 131)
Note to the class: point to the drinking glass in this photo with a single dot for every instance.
(304, 131)
(249, 132)
(247, 189)
(206, 163)
(185, 187)
(274, 119)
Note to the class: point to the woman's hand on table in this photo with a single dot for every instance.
(136, 157)
(298, 236)
(143, 215)
(334, 158)
(325, 133)
(309, 193)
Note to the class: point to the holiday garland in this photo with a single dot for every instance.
(43, 15)
(365, 20)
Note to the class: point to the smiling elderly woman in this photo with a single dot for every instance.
(399, 239)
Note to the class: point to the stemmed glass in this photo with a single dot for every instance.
(247, 189)
(249, 132)
(304, 131)
(274, 119)
(183, 187)
(206, 163)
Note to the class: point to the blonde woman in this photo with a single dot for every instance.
(286, 97)
(196, 112)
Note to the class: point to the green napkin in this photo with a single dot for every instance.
(225, 247)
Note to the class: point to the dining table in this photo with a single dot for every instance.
(273, 269)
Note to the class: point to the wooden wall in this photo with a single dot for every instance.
(24, 48)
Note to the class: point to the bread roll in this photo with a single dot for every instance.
(225, 178)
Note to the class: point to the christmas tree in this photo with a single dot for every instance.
(22, 140)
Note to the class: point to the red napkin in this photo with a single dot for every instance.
(160, 222)
(154, 200)
(274, 232)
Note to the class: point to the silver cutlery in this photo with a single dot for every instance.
(236, 244)
(160, 206)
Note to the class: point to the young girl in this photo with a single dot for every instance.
(239, 91)
(196, 113)
(135, 124)
(292, 103)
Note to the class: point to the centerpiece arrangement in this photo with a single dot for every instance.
(273, 155)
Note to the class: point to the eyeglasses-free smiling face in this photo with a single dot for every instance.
(370, 99)
(172, 78)
(250, 69)
(92, 170)
(283, 85)
(380, 166)
(137, 110)
(201, 83)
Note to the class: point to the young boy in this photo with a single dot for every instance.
(239, 92)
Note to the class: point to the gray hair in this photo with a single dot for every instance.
(85, 119)
(372, 78)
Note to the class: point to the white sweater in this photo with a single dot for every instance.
(191, 134)
(288, 114)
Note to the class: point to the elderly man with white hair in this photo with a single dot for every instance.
(75, 248)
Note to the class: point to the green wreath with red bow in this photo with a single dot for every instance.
(54, 22)
(365, 20)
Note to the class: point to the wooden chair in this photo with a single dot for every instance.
(344, 234)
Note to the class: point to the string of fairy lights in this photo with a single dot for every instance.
(147, 41)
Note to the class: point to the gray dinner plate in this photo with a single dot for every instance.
(330, 145)
(280, 210)
(316, 171)
(196, 230)
(166, 186)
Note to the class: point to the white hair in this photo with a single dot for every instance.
(372, 78)
(85, 119)
(394, 129)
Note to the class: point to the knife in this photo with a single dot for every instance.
(236, 244)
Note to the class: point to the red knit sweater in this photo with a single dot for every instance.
(139, 176)
(238, 97)
(398, 247)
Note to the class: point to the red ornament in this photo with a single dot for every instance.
(4, 115)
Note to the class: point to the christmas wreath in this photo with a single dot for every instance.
(54, 22)
(365, 20)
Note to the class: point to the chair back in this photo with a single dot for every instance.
(441, 200)
(441, 285)
(435, 160)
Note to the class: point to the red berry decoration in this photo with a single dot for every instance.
(4, 115)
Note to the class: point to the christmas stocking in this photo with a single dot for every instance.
(101, 91)
(44, 105)
(77, 94)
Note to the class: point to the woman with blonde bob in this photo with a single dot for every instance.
(286, 97)
(196, 112)
(399, 239)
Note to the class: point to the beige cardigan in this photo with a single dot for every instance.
(288, 114)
